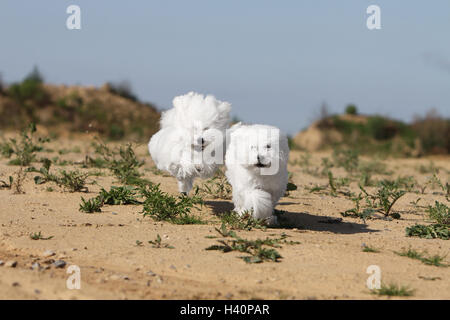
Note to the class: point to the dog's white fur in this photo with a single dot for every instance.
(186, 129)
(254, 191)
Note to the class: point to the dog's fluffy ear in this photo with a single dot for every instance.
(224, 108)
(235, 126)
(183, 100)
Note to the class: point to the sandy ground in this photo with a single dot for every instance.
(327, 264)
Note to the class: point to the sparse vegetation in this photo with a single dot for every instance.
(435, 260)
(259, 250)
(25, 148)
(165, 207)
(393, 290)
(428, 232)
(123, 163)
(216, 187)
(39, 236)
(440, 216)
(91, 205)
(237, 222)
(157, 243)
(122, 195)
(73, 181)
(122, 89)
(440, 213)
(370, 249)
(5, 184)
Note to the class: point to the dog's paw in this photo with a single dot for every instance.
(271, 221)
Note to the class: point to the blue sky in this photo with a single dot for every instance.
(275, 61)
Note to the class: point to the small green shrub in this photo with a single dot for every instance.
(73, 181)
(24, 149)
(347, 159)
(123, 163)
(39, 236)
(157, 243)
(163, 206)
(393, 290)
(351, 109)
(241, 222)
(429, 231)
(258, 250)
(91, 205)
(7, 185)
(216, 187)
(119, 195)
(435, 260)
(439, 213)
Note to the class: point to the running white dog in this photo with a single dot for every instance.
(256, 162)
(193, 128)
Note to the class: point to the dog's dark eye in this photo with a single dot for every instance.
(207, 128)
(268, 146)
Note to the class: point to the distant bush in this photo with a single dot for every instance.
(2, 85)
(122, 89)
(29, 94)
(35, 75)
(433, 132)
(351, 109)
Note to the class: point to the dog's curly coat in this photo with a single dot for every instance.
(194, 123)
(256, 162)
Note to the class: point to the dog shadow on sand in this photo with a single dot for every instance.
(301, 220)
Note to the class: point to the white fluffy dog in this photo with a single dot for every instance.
(256, 162)
(191, 140)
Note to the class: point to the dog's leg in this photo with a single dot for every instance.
(260, 202)
(185, 185)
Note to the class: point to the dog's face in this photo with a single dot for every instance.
(258, 148)
(204, 118)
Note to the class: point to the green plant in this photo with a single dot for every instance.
(73, 181)
(387, 195)
(7, 185)
(123, 163)
(91, 205)
(435, 181)
(122, 195)
(163, 206)
(258, 250)
(392, 290)
(435, 260)
(429, 232)
(347, 159)
(370, 249)
(336, 184)
(39, 236)
(139, 243)
(358, 211)
(427, 169)
(216, 187)
(157, 243)
(241, 222)
(439, 213)
(6, 149)
(25, 148)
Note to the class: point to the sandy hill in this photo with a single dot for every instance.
(379, 134)
(62, 109)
